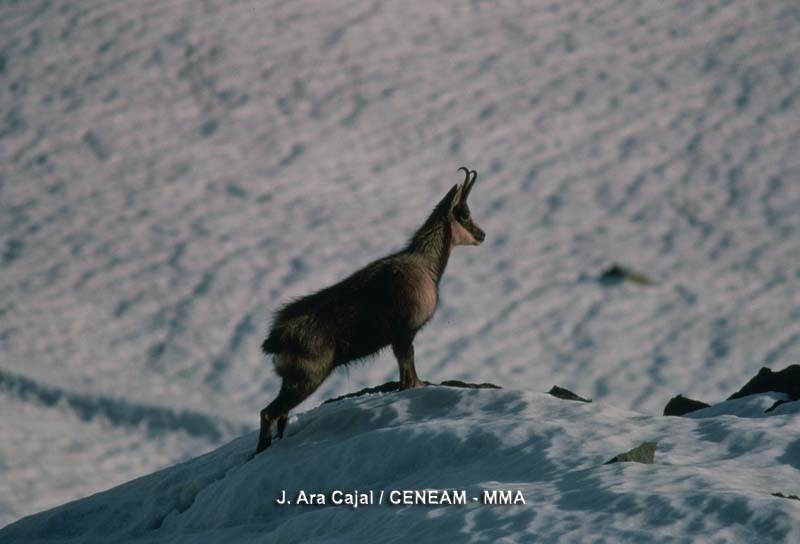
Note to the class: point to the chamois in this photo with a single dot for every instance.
(385, 303)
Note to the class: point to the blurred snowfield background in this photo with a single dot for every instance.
(172, 172)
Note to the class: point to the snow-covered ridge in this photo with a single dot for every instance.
(712, 478)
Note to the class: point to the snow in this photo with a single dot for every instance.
(171, 173)
(712, 478)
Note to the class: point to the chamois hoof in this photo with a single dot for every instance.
(263, 443)
(416, 383)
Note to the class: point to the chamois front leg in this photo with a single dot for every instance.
(404, 352)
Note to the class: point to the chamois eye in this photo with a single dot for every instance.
(463, 214)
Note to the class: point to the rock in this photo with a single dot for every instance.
(680, 405)
(389, 387)
(643, 453)
(383, 388)
(617, 273)
(781, 495)
(566, 394)
(459, 383)
(777, 403)
(785, 381)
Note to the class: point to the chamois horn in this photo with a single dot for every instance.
(469, 181)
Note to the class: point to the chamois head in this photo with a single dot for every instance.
(464, 230)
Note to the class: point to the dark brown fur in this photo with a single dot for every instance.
(384, 304)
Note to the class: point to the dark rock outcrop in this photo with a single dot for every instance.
(566, 394)
(389, 387)
(680, 405)
(782, 496)
(777, 403)
(617, 273)
(467, 385)
(643, 453)
(784, 381)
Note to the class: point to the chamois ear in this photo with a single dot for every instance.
(451, 198)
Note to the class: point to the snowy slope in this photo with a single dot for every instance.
(712, 479)
(172, 172)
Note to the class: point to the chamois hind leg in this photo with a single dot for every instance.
(278, 408)
(299, 382)
(282, 420)
(404, 352)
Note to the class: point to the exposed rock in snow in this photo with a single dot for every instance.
(680, 405)
(643, 453)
